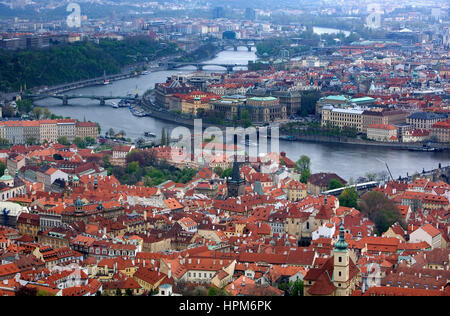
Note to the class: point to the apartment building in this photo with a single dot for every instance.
(86, 129)
(424, 120)
(66, 128)
(48, 131)
(441, 131)
(383, 117)
(12, 131)
(21, 132)
(350, 117)
(382, 132)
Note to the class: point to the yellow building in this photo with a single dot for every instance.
(343, 118)
(149, 280)
(28, 224)
(296, 191)
(86, 129)
(48, 131)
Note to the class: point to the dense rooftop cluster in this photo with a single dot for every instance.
(69, 229)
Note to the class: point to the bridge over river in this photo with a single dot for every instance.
(65, 98)
(199, 66)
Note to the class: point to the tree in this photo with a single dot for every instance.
(303, 163)
(30, 141)
(140, 142)
(8, 111)
(303, 166)
(245, 119)
(47, 114)
(111, 133)
(4, 143)
(335, 184)
(212, 291)
(24, 106)
(79, 142)
(218, 171)
(106, 161)
(297, 288)
(2, 168)
(371, 176)
(63, 141)
(37, 112)
(167, 138)
(118, 292)
(378, 208)
(133, 167)
(227, 173)
(349, 198)
(90, 141)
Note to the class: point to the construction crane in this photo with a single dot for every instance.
(392, 178)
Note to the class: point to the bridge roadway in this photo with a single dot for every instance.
(235, 43)
(85, 83)
(199, 66)
(66, 98)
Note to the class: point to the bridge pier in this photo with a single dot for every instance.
(249, 48)
(229, 68)
(102, 101)
(200, 67)
(65, 100)
(235, 48)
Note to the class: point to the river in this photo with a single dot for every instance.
(326, 30)
(348, 161)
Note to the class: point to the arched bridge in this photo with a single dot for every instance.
(235, 43)
(200, 66)
(65, 98)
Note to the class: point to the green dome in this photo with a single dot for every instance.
(6, 176)
(341, 244)
(78, 203)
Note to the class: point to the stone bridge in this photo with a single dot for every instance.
(65, 98)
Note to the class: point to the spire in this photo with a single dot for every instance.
(236, 174)
(341, 244)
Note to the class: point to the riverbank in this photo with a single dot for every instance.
(357, 142)
(187, 122)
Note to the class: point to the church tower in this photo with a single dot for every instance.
(341, 271)
(236, 184)
(78, 206)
